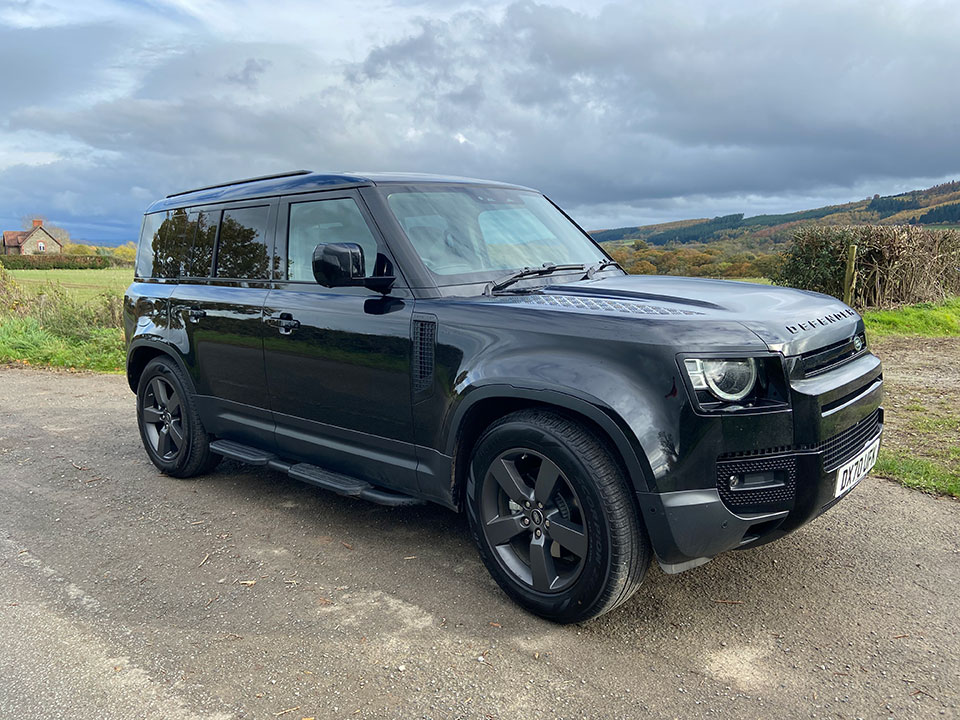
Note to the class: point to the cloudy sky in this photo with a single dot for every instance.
(623, 112)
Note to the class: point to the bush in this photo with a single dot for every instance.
(62, 262)
(896, 264)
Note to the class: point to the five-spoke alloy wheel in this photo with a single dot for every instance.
(531, 517)
(553, 516)
(170, 426)
(163, 418)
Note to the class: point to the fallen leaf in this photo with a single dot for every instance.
(324, 601)
(347, 545)
(496, 625)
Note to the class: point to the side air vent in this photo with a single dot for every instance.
(424, 343)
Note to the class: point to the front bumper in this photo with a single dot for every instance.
(835, 418)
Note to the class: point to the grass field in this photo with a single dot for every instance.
(83, 284)
(925, 320)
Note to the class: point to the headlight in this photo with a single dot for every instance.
(728, 380)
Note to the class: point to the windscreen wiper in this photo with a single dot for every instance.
(545, 269)
(602, 265)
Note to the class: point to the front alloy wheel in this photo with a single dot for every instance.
(553, 516)
(532, 518)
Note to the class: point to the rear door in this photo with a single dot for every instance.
(219, 302)
(338, 359)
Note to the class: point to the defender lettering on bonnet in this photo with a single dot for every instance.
(822, 321)
(410, 338)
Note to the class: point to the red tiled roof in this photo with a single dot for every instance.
(15, 238)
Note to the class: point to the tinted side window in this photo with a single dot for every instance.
(165, 243)
(242, 251)
(149, 236)
(200, 262)
(325, 221)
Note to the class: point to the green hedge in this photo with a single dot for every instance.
(61, 262)
(895, 264)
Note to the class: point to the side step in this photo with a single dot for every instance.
(338, 483)
(242, 453)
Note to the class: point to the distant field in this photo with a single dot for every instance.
(81, 283)
(757, 280)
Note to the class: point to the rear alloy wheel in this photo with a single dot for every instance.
(163, 419)
(170, 426)
(553, 517)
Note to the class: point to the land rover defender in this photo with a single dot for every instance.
(406, 338)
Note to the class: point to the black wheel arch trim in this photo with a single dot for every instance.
(155, 346)
(624, 441)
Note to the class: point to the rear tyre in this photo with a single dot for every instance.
(170, 427)
(553, 517)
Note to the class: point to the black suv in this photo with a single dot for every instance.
(403, 338)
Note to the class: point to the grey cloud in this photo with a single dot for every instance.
(250, 74)
(52, 65)
(637, 110)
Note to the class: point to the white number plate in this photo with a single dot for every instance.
(855, 470)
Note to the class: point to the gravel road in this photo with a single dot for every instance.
(128, 594)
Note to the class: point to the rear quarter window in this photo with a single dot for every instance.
(166, 240)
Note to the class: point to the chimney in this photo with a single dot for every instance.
(37, 222)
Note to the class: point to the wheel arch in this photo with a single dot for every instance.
(142, 351)
(486, 404)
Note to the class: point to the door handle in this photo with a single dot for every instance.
(284, 323)
(195, 314)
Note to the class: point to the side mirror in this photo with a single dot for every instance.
(342, 265)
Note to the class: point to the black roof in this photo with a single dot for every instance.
(302, 181)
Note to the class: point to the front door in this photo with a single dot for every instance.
(338, 359)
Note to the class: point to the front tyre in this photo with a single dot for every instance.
(553, 517)
(170, 426)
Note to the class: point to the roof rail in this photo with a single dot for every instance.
(241, 182)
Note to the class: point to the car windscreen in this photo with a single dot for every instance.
(466, 232)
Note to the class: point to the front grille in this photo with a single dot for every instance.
(844, 445)
(827, 358)
(836, 450)
(769, 499)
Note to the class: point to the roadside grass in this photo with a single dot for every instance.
(50, 324)
(925, 319)
(921, 447)
(25, 340)
(914, 472)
